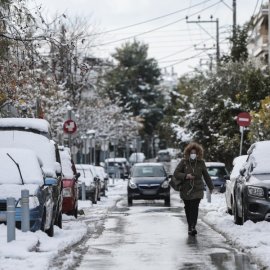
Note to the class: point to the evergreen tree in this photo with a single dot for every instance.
(133, 81)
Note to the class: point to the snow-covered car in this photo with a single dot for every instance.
(218, 173)
(252, 188)
(148, 181)
(21, 169)
(117, 166)
(46, 151)
(70, 183)
(238, 162)
(136, 158)
(91, 182)
(35, 125)
(163, 156)
(103, 176)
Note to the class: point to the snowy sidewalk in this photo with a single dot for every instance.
(252, 238)
(38, 251)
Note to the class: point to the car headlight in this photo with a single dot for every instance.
(165, 184)
(255, 191)
(132, 185)
(67, 192)
(33, 202)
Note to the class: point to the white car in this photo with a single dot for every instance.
(136, 158)
(238, 163)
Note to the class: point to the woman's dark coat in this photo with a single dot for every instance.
(192, 189)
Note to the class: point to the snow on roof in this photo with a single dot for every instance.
(259, 156)
(238, 163)
(163, 151)
(28, 163)
(40, 144)
(31, 123)
(116, 160)
(148, 164)
(214, 164)
(66, 162)
(86, 173)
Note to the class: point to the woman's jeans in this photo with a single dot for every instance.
(192, 210)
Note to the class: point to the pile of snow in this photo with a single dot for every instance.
(253, 238)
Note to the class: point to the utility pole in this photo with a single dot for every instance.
(217, 33)
(234, 18)
(268, 34)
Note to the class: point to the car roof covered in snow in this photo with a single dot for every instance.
(214, 164)
(66, 162)
(116, 160)
(27, 123)
(29, 165)
(148, 164)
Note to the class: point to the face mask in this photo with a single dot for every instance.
(193, 156)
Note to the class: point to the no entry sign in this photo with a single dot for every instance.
(243, 119)
(70, 126)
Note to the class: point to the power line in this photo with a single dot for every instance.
(153, 19)
(157, 28)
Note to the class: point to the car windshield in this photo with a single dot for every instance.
(217, 171)
(148, 171)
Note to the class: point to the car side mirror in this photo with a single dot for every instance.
(242, 172)
(227, 177)
(50, 182)
(78, 175)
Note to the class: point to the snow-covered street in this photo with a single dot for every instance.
(147, 235)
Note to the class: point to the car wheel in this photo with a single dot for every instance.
(244, 216)
(167, 201)
(59, 220)
(237, 219)
(50, 231)
(75, 212)
(130, 202)
(43, 221)
(229, 211)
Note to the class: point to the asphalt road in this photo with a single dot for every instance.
(149, 236)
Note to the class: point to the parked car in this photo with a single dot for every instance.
(163, 156)
(218, 173)
(238, 162)
(252, 188)
(90, 181)
(21, 169)
(70, 183)
(103, 176)
(27, 138)
(136, 158)
(148, 181)
(117, 167)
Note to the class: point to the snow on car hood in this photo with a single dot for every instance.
(28, 163)
(11, 190)
(41, 145)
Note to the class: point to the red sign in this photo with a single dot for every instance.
(70, 126)
(243, 119)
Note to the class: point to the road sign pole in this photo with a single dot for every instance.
(241, 142)
(69, 134)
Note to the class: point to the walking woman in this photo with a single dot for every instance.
(188, 175)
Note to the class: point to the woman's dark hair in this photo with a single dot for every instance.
(193, 146)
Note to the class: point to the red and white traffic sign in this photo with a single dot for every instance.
(243, 119)
(70, 126)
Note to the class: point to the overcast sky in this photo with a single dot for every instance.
(171, 45)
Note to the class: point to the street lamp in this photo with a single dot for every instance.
(91, 134)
